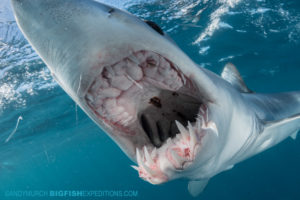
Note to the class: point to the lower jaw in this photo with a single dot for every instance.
(176, 155)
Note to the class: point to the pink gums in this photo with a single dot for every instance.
(113, 94)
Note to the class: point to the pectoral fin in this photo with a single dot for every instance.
(196, 187)
(283, 128)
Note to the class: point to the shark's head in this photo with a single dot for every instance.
(131, 79)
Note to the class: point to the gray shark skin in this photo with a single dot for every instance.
(171, 117)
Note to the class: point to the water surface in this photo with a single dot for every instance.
(57, 147)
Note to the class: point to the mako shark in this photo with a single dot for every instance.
(170, 116)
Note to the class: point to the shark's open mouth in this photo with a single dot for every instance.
(148, 99)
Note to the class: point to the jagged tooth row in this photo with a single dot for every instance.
(148, 157)
(187, 146)
(141, 163)
(149, 169)
(182, 130)
(182, 150)
(209, 124)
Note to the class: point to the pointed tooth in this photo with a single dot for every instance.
(148, 157)
(182, 130)
(213, 127)
(135, 167)
(180, 126)
(193, 138)
(142, 164)
(190, 127)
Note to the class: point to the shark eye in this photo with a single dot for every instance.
(155, 27)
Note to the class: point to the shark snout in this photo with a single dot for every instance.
(73, 37)
(29, 5)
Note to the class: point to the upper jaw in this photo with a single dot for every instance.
(74, 36)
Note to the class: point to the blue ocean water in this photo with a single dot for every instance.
(54, 146)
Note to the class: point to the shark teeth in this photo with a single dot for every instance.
(213, 127)
(135, 167)
(182, 129)
(176, 154)
(148, 156)
(143, 164)
(188, 135)
(147, 168)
